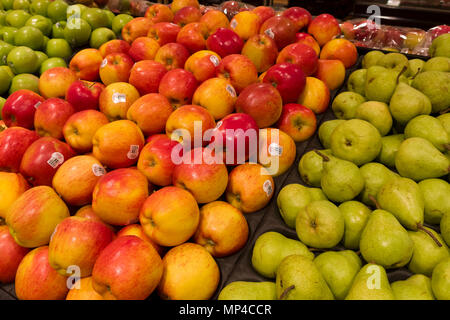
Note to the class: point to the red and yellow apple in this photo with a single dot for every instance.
(14, 142)
(83, 290)
(116, 99)
(164, 32)
(114, 46)
(84, 95)
(281, 29)
(340, 49)
(143, 48)
(146, 75)
(324, 28)
(138, 27)
(54, 82)
(239, 70)
(315, 96)
(261, 50)
(331, 72)
(116, 67)
(300, 16)
(306, 38)
(177, 5)
(12, 186)
(178, 86)
(137, 230)
(246, 24)
(193, 36)
(215, 19)
(298, 121)
(172, 55)
(277, 151)
(86, 63)
(159, 12)
(51, 116)
(187, 15)
(203, 65)
(11, 254)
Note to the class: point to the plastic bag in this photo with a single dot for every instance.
(231, 8)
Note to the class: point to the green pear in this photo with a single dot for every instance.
(416, 287)
(338, 269)
(395, 61)
(440, 47)
(298, 278)
(437, 64)
(445, 227)
(419, 159)
(380, 83)
(356, 215)
(402, 197)
(415, 67)
(384, 241)
(430, 128)
(371, 58)
(356, 140)
(436, 195)
(407, 103)
(440, 280)
(317, 194)
(445, 121)
(371, 283)
(326, 129)
(310, 167)
(290, 200)
(345, 104)
(375, 175)
(341, 180)
(272, 247)
(357, 81)
(436, 86)
(320, 224)
(247, 290)
(427, 254)
(377, 113)
(389, 148)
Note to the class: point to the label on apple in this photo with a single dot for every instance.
(37, 104)
(267, 187)
(233, 24)
(134, 152)
(119, 97)
(275, 149)
(218, 124)
(104, 63)
(269, 33)
(214, 60)
(98, 170)
(55, 160)
(231, 90)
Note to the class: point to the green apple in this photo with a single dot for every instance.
(57, 10)
(7, 34)
(100, 36)
(41, 57)
(77, 32)
(7, 4)
(2, 103)
(2, 17)
(110, 16)
(42, 23)
(39, 7)
(21, 5)
(17, 18)
(22, 60)
(24, 81)
(52, 63)
(58, 48)
(119, 21)
(76, 10)
(6, 76)
(29, 36)
(58, 30)
(5, 48)
(96, 18)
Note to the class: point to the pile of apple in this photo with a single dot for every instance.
(89, 191)
(41, 34)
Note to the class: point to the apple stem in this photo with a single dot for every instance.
(445, 111)
(324, 157)
(286, 291)
(421, 227)
(375, 202)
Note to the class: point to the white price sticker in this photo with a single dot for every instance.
(268, 188)
(55, 160)
(37, 104)
(275, 149)
(104, 63)
(269, 33)
(214, 60)
(119, 97)
(233, 24)
(98, 170)
(134, 152)
(231, 90)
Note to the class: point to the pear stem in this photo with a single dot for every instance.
(444, 111)
(358, 252)
(401, 72)
(421, 227)
(316, 250)
(324, 157)
(286, 291)
(375, 202)
(447, 146)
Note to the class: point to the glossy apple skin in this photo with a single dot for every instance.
(245, 129)
(84, 292)
(261, 50)
(78, 241)
(300, 16)
(306, 38)
(246, 24)
(138, 27)
(116, 67)
(20, 107)
(239, 70)
(51, 116)
(42, 159)
(13, 144)
(288, 78)
(331, 72)
(86, 64)
(324, 27)
(340, 49)
(143, 48)
(136, 229)
(298, 121)
(114, 46)
(203, 65)
(215, 19)
(159, 13)
(129, 268)
(12, 186)
(315, 96)
(172, 55)
(300, 54)
(146, 75)
(193, 36)
(187, 15)
(178, 86)
(37, 280)
(11, 254)
(282, 30)
(262, 102)
(84, 95)
(54, 82)
(224, 42)
(116, 99)
(119, 194)
(155, 160)
(164, 32)
(264, 12)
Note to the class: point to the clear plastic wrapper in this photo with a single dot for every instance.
(231, 8)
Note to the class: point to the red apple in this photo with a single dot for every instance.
(203, 64)
(159, 12)
(288, 78)
(439, 30)
(324, 27)
(261, 50)
(298, 121)
(143, 48)
(300, 16)
(264, 12)
(146, 75)
(215, 19)
(11, 254)
(193, 36)
(187, 15)
(86, 63)
(19, 108)
(54, 82)
(239, 70)
(224, 42)
(13, 144)
(51, 116)
(84, 95)
(280, 29)
(262, 102)
(172, 55)
(178, 86)
(114, 46)
(116, 67)
(164, 32)
(42, 159)
(138, 27)
(237, 136)
(300, 54)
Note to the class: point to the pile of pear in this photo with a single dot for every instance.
(374, 199)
